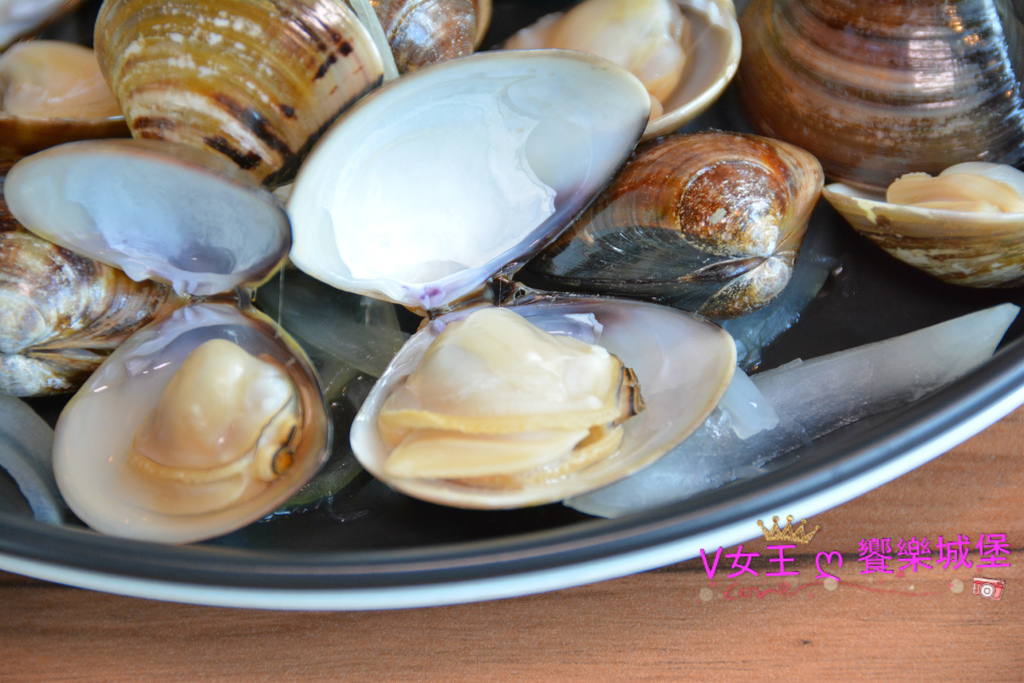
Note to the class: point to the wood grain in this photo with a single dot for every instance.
(673, 623)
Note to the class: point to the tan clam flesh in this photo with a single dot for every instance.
(53, 92)
(495, 395)
(964, 226)
(684, 51)
(565, 443)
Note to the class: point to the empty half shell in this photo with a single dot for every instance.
(194, 427)
(958, 237)
(670, 355)
(422, 192)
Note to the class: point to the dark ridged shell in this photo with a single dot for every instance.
(710, 222)
(423, 32)
(878, 89)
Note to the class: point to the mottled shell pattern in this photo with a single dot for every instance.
(882, 88)
(423, 32)
(254, 81)
(710, 222)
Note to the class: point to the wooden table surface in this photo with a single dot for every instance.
(671, 623)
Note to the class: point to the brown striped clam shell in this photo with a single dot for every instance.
(876, 89)
(710, 222)
(256, 81)
(423, 32)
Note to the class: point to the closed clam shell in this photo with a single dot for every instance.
(710, 222)
(879, 89)
(253, 80)
(422, 32)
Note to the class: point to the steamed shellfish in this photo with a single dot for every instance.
(52, 92)
(500, 150)
(684, 51)
(964, 226)
(212, 417)
(877, 90)
(424, 32)
(710, 222)
(253, 81)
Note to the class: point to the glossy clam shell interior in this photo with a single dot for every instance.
(674, 354)
(440, 169)
(961, 248)
(148, 209)
(96, 428)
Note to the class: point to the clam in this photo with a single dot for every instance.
(22, 17)
(422, 32)
(62, 314)
(464, 170)
(671, 355)
(962, 226)
(212, 417)
(710, 222)
(875, 92)
(684, 51)
(254, 81)
(53, 92)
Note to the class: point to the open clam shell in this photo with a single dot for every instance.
(711, 45)
(23, 17)
(959, 247)
(426, 189)
(94, 437)
(673, 354)
(242, 423)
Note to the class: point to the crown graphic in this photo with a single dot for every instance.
(787, 533)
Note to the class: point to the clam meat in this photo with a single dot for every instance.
(53, 92)
(448, 179)
(684, 51)
(212, 417)
(194, 427)
(964, 226)
(709, 222)
(492, 421)
(496, 396)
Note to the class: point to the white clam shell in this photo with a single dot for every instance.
(683, 364)
(428, 187)
(96, 429)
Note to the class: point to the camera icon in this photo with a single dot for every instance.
(988, 588)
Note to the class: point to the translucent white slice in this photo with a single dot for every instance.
(683, 365)
(148, 208)
(428, 187)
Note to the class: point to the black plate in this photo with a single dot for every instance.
(375, 548)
